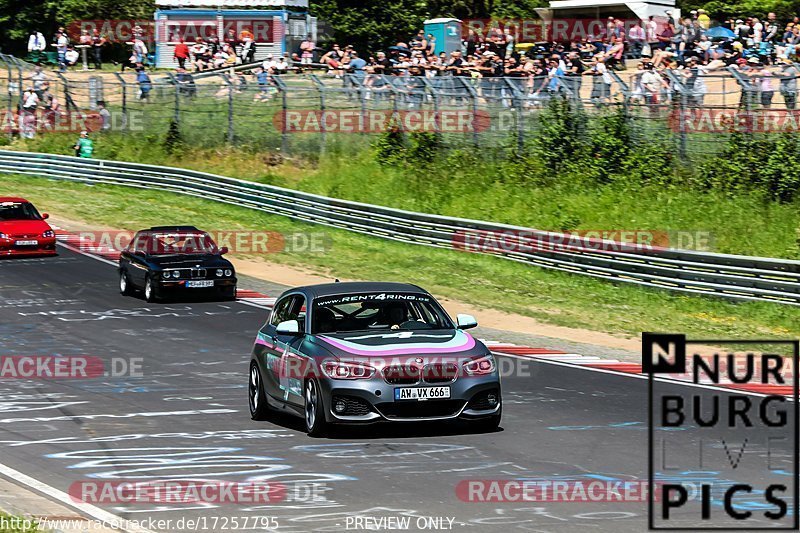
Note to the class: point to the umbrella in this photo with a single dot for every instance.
(720, 32)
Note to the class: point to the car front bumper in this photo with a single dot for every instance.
(45, 246)
(180, 285)
(373, 400)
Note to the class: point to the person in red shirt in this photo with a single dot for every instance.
(181, 53)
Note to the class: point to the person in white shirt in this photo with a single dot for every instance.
(61, 44)
(636, 36)
(36, 45)
(281, 66)
(30, 101)
(269, 64)
(71, 57)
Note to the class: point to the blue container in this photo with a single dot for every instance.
(447, 33)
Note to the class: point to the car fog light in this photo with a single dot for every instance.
(492, 399)
(339, 406)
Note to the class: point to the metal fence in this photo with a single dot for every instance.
(232, 107)
(729, 276)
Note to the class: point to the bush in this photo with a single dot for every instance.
(173, 142)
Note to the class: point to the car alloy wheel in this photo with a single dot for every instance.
(259, 408)
(124, 286)
(315, 417)
(149, 291)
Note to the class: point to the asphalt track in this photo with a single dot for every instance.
(186, 417)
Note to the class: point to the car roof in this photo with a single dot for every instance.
(172, 228)
(15, 199)
(354, 287)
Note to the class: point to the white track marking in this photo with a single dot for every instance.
(86, 509)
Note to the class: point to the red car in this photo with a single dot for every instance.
(23, 231)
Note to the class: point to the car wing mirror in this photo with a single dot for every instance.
(288, 327)
(224, 250)
(466, 321)
(45, 216)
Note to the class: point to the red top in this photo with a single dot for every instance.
(181, 50)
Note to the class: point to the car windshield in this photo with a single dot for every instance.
(378, 311)
(181, 243)
(18, 211)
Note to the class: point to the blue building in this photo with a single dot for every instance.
(278, 26)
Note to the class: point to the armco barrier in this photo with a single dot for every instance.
(730, 276)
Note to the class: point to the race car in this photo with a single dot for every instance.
(166, 261)
(352, 353)
(23, 231)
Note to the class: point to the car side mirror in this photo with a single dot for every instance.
(224, 250)
(466, 321)
(140, 253)
(288, 327)
(45, 216)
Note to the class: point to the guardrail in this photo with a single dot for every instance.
(729, 276)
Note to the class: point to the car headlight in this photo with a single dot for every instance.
(176, 274)
(49, 234)
(219, 272)
(344, 370)
(480, 366)
(167, 274)
(228, 272)
(3, 236)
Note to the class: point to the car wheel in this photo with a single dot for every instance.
(150, 294)
(259, 408)
(228, 294)
(125, 287)
(316, 424)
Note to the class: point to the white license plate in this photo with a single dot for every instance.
(27, 243)
(200, 284)
(424, 393)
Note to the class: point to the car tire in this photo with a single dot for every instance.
(314, 410)
(257, 400)
(125, 287)
(150, 292)
(228, 294)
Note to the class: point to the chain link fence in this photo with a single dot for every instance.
(309, 114)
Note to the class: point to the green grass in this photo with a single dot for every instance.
(6, 518)
(489, 282)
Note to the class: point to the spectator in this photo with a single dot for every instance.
(186, 84)
(145, 84)
(84, 147)
(98, 41)
(71, 57)
(637, 37)
(788, 83)
(30, 102)
(39, 79)
(703, 20)
(61, 44)
(601, 80)
(763, 80)
(199, 53)
(307, 48)
(36, 46)
(248, 53)
(139, 50)
(181, 53)
(105, 116)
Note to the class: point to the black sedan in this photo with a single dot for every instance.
(175, 261)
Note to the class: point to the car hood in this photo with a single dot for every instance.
(450, 343)
(191, 261)
(16, 227)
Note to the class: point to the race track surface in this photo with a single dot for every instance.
(186, 417)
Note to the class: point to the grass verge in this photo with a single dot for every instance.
(552, 297)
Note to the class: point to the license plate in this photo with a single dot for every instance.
(27, 243)
(424, 393)
(200, 284)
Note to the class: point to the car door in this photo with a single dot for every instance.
(285, 363)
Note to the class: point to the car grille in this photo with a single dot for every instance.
(353, 406)
(414, 409)
(402, 374)
(24, 235)
(440, 373)
(198, 273)
(480, 402)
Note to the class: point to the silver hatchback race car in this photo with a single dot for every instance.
(349, 353)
